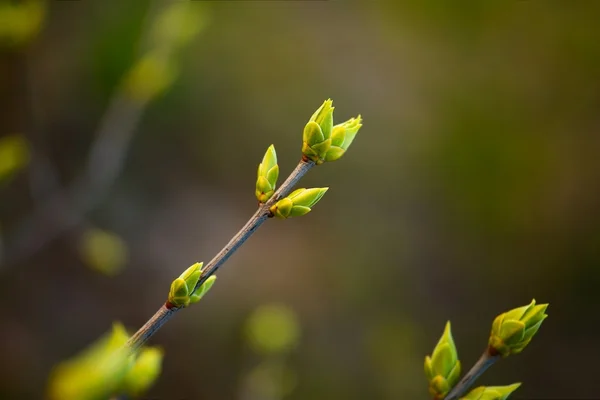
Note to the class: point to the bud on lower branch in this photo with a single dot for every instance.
(443, 367)
(513, 330)
(491, 392)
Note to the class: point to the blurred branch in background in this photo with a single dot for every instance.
(19, 24)
(169, 28)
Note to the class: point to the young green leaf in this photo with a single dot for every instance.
(442, 369)
(342, 137)
(513, 330)
(316, 138)
(299, 202)
(268, 172)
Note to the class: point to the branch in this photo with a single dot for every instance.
(167, 310)
(65, 208)
(486, 360)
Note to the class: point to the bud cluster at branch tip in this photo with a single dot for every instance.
(268, 172)
(491, 392)
(442, 369)
(297, 203)
(321, 141)
(512, 331)
(182, 291)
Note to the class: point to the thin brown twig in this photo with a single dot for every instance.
(166, 311)
(487, 359)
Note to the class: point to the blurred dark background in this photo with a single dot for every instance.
(130, 133)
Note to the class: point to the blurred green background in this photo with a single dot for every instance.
(130, 133)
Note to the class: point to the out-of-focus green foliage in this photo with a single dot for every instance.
(273, 329)
(145, 371)
(106, 368)
(270, 380)
(20, 21)
(96, 373)
(103, 251)
(156, 70)
(150, 76)
(14, 155)
(491, 392)
(178, 24)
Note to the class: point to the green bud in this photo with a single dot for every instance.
(183, 287)
(144, 372)
(268, 172)
(342, 137)
(203, 289)
(512, 331)
(182, 292)
(297, 203)
(491, 392)
(442, 369)
(316, 138)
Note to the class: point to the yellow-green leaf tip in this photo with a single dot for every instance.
(268, 172)
(297, 203)
(442, 368)
(513, 330)
(491, 392)
(342, 137)
(203, 289)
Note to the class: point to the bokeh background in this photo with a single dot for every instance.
(130, 133)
